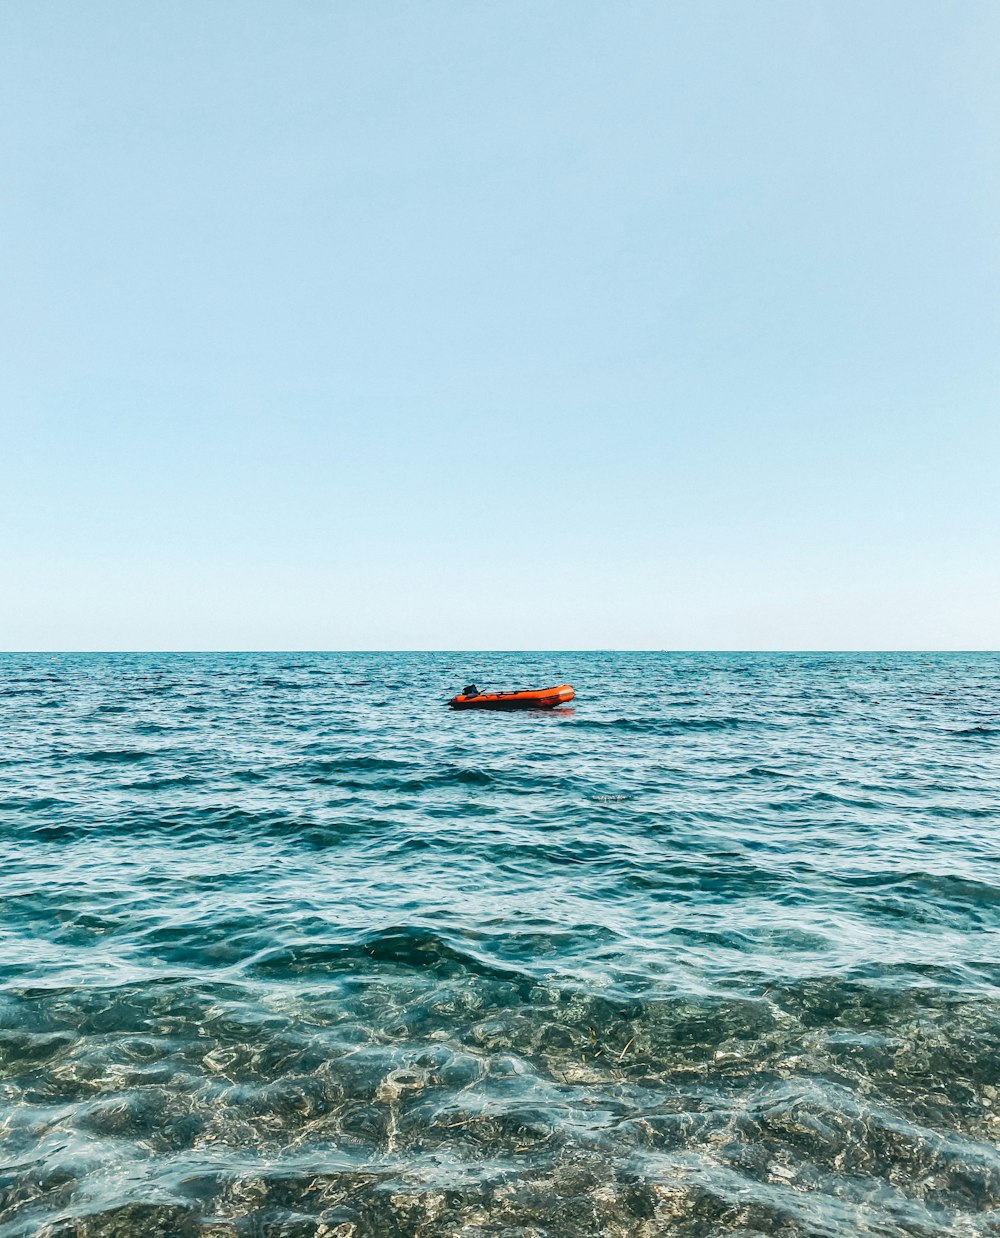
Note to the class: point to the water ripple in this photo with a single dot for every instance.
(291, 949)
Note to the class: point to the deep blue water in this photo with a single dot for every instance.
(288, 948)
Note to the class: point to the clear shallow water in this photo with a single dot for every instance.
(290, 949)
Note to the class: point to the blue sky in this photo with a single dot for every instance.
(521, 325)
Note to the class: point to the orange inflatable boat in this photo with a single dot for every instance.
(540, 698)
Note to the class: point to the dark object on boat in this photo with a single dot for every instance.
(539, 698)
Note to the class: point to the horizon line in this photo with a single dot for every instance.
(471, 650)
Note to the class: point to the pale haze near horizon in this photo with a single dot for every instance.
(354, 325)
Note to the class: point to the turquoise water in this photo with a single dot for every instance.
(291, 949)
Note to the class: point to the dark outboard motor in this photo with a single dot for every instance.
(470, 690)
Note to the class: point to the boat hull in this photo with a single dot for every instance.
(541, 698)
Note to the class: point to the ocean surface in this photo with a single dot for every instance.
(289, 948)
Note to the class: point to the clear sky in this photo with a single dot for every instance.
(370, 324)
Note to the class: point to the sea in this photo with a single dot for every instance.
(288, 948)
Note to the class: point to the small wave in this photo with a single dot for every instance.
(354, 764)
(251, 775)
(401, 946)
(388, 775)
(114, 756)
(453, 776)
(164, 783)
(844, 801)
(665, 726)
(32, 803)
(940, 887)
